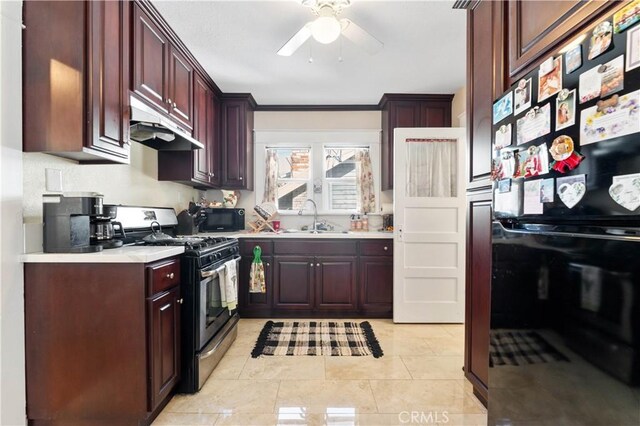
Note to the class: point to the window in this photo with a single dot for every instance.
(319, 166)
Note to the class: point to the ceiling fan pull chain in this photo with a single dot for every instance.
(310, 53)
(340, 57)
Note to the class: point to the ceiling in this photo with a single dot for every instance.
(236, 42)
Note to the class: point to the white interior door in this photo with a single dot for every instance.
(429, 219)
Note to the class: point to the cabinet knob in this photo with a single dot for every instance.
(180, 300)
(240, 177)
(386, 248)
(169, 101)
(175, 105)
(170, 276)
(311, 264)
(268, 264)
(317, 264)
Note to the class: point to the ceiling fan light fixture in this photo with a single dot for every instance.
(326, 29)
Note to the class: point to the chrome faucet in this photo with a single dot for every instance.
(315, 214)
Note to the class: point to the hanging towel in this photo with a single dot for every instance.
(221, 271)
(257, 283)
(231, 283)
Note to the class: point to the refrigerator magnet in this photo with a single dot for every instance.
(600, 39)
(534, 124)
(535, 161)
(550, 83)
(611, 118)
(546, 190)
(625, 190)
(612, 76)
(565, 109)
(503, 137)
(571, 189)
(531, 203)
(507, 164)
(504, 185)
(573, 59)
(633, 48)
(626, 17)
(564, 155)
(503, 108)
(522, 96)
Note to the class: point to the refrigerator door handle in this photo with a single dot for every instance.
(571, 234)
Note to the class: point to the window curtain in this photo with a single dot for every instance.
(364, 182)
(431, 170)
(270, 177)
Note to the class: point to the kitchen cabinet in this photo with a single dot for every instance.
(237, 141)
(102, 341)
(335, 277)
(162, 75)
(76, 80)
(409, 110)
(536, 28)
(201, 167)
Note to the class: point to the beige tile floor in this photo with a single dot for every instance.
(420, 375)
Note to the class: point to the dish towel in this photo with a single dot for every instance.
(221, 271)
(231, 284)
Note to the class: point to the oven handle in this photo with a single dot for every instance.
(212, 272)
(570, 234)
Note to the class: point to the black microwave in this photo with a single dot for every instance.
(216, 220)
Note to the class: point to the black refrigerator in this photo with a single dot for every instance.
(565, 291)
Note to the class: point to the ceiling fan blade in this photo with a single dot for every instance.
(296, 41)
(360, 37)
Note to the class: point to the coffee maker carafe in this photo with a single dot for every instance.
(67, 222)
(104, 228)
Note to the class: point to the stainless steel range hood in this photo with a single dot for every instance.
(150, 128)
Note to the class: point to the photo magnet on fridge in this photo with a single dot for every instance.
(531, 203)
(625, 190)
(571, 189)
(550, 83)
(503, 137)
(600, 39)
(626, 17)
(546, 190)
(573, 59)
(565, 109)
(536, 162)
(503, 108)
(633, 48)
(522, 96)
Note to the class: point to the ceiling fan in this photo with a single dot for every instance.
(326, 28)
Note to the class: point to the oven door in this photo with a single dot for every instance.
(212, 315)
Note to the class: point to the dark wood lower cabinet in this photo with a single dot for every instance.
(98, 350)
(478, 291)
(349, 283)
(293, 284)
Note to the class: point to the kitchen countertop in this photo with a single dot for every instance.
(129, 254)
(301, 234)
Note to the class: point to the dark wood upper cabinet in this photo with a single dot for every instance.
(409, 110)
(180, 88)
(76, 79)
(203, 128)
(538, 27)
(237, 141)
(151, 51)
(485, 81)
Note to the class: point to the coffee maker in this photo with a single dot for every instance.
(67, 222)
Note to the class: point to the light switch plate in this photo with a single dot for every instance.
(53, 180)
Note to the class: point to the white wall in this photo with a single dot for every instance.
(135, 184)
(12, 373)
(309, 120)
(459, 108)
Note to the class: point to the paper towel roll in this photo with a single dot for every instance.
(387, 208)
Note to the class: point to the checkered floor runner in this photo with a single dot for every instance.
(516, 347)
(317, 338)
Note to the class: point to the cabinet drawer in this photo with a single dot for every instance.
(246, 246)
(376, 248)
(307, 247)
(163, 276)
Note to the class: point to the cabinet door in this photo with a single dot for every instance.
(400, 114)
(293, 282)
(234, 144)
(254, 302)
(202, 130)
(108, 71)
(164, 344)
(150, 59)
(335, 283)
(214, 148)
(478, 290)
(434, 114)
(486, 82)
(537, 27)
(376, 284)
(180, 88)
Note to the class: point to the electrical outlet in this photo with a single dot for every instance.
(53, 180)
